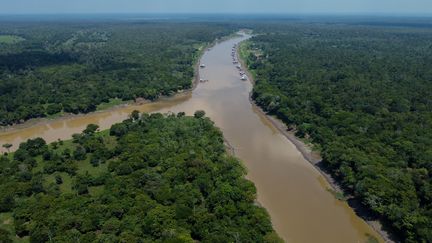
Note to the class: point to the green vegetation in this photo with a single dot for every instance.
(81, 67)
(371, 239)
(338, 195)
(245, 51)
(364, 96)
(10, 39)
(111, 103)
(151, 178)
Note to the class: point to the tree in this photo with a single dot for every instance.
(34, 147)
(54, 109)
(91, 129)
(80, 153)
(40, 233)
(81, 188)
(7, 202)
(7, 146)
(55, 144)
(118, 129)
(111, 226)
(199, 114)
(135, 115)
(5, 236)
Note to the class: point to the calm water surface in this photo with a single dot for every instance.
(293, 192)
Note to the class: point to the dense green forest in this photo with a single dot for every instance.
(47, 68)
(363, 96)
(151, 178)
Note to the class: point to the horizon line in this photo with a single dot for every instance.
(307, 13)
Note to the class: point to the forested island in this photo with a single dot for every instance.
(363, 96)
(151, 178)
(50, 68)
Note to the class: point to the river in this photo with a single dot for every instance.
(294, 193)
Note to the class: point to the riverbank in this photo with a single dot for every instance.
(139, 101)
(306, 150)
(292, 191)
(314, 158)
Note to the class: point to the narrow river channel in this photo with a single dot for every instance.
(292, 190)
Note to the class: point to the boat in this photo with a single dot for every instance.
(202, 66)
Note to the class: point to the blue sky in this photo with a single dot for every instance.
(216, 6)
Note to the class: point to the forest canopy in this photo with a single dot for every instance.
(73, 67)
(151, 178)
(363, 96)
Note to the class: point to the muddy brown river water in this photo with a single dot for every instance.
(292, 190)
